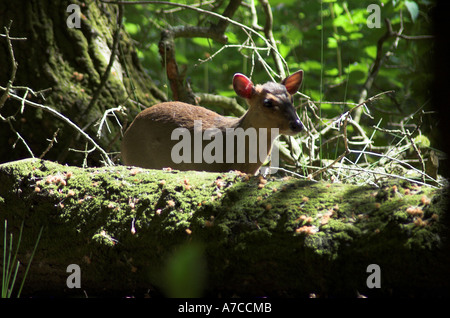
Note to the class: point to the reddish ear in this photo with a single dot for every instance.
(242, 85)
(293, 82)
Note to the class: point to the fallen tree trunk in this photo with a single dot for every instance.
(175, 233)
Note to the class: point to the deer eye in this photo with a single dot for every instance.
(268, 103)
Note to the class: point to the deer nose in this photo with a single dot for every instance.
(296, 125)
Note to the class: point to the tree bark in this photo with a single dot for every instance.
(193, 233)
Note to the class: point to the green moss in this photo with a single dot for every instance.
(299, 232)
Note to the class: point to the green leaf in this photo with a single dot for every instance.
(202, 42)
(356, 36)
(357, 72)
(311, 65)
(422, 141)
(232, 38)
(332, 72)
(343, 22)
(274, 3)
(132, 28)
(371, 51)
(332, 43)
(413, 9)
(284, 49)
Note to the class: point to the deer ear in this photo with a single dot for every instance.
(293, 82)
(242, 85)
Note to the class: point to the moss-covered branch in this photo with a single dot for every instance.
(244, 235)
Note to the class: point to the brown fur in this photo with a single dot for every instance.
(147, 142)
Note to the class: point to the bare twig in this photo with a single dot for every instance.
(254, 16)
(344, 128)
(380, 57)
(269, 35)
(188, 31)
(105, 115)
(229, 11)
(19, 137)
(227, 103)
(387, 175)
(201, 3)
(24, 101)
(227, 19)
(67, 121)
(4, 97)
(8, 88)
(402, 162)
(409, 136)
(50, 144)
(240, 46)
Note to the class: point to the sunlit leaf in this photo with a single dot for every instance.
(422, 141)
(356, 36)
(285, 2)
(202, 42)
(413, 9)
(311, 65)
(371, 51)
(332, 43)
(284, 49)
(332, 72)
(232, 38)
(132, 28)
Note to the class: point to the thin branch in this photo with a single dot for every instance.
(201, 3)
(387, 175)
(269, 35)
(227, 103)
(222, 25)
(230, 21)
(19, 137)
(13, 38)
(409, 136)
(14, 64)
(380, 57)
(103, 120)
(399, 161)
(254, 16)
(187, 31)
(66, 120)
(226, 46)
(50, 144)
(180, 91)
(347, 150)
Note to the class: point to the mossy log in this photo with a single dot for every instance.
(231, 234)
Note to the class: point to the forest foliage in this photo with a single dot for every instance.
(365, 100)
(349, 54)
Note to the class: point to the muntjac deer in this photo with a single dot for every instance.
(151, 140)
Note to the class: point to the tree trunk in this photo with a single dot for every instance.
(68, 63)
(192, 233)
